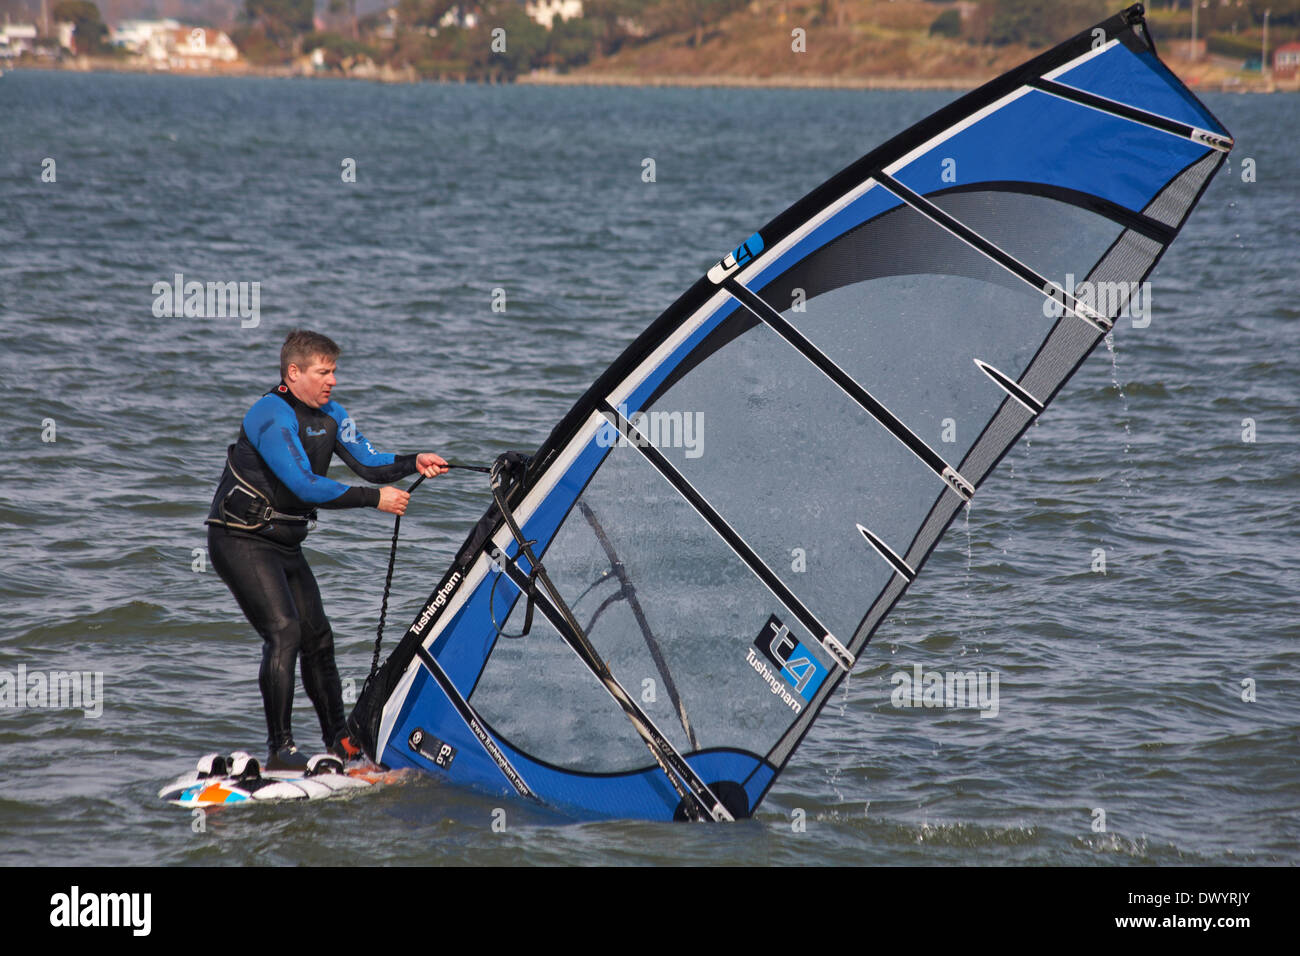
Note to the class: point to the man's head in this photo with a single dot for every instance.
(307, 362)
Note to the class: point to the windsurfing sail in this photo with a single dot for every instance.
(709, 538)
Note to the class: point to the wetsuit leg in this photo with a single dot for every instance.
(319, 673)
(258, 573)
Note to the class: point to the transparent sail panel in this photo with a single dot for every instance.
(906, 308)
(681, 622)
(1054, 238)
(537, 695)
(794, 465)
(927, 375)
(1128, 260)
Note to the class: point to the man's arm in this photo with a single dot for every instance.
(359, 455)
(272, 427)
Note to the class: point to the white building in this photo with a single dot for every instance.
(545, 11)
(170, 45)
(457, 17)
(135, 35)
(192, 48)
(17, 39)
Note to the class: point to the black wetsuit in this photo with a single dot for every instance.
(283, 451)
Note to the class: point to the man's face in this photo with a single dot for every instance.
(313, 383)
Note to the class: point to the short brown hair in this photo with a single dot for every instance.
(301, 346)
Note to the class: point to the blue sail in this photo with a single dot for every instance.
(962, 271)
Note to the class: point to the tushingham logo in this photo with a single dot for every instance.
(777, 687)
(437, 604)
(312, 434)
(792, 660)
(796, 663)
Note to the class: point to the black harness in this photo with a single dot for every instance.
(245, 507)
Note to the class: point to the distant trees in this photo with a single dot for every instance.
(91, 37)
(1042, 22)
(525, 41)
(572, 43)
(611, 22)
(1281, 11)
(424, 13)
(693, 16)
(336, 48)
(432, 36)
(349, 7)
(282, 22)
(946, 24)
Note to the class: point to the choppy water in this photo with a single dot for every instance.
(1120, 691)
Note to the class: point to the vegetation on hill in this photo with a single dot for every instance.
(91, 33)
(697, 40)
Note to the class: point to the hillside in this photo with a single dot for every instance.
(874, 43)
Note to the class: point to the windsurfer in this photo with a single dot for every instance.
(266, 501)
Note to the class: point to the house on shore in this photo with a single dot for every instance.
(17, 39)
(1286, 61)
(170, 45)
(544, 12)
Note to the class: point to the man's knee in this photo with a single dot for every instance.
(283, 637)
(317, 638)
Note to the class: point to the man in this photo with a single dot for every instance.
(273, 482)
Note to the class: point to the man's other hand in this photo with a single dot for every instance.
(430, 465)
(393, 500)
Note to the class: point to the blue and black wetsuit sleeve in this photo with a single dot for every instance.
(359, 455)
(272, 427)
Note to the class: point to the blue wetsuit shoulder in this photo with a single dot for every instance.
(272, 427)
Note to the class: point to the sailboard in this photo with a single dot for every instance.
(646, 626)
(238, 779)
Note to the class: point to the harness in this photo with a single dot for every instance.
(253, 512)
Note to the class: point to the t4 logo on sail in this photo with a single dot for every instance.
(793, 662)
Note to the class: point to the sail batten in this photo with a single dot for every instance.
(982, 244)
(1115, 108)
(888, 553)
(850, 387)
(679, 773)
(1011, 387)
(724, 530)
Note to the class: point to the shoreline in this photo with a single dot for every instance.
(755, 82)
(387, 74)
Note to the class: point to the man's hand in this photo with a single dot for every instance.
(393, 500)
(430, 465)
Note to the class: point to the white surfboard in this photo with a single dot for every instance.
(220, 780)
